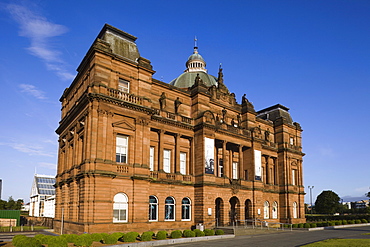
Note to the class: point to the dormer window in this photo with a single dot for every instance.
(124, 86)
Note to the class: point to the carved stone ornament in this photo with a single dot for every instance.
(235, 185)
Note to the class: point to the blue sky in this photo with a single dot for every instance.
(311, 56)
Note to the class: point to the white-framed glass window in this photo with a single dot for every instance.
(121, 148)
(220, 167)
(153, 208)
(294, 177)
(120, 207)
(235, 170)
(291, 140)
(151, 158)
(295, 210)
(183, 163)
(274, 210)
(167, 160)
(185, 209)
(266, 210)
(124, 86)
(169, 209)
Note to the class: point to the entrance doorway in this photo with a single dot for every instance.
(219, 209)
(234, 210)
(248, 209)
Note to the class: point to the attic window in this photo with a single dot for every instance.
(124, 86)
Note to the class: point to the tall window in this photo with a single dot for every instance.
(274, 210)
(235, 170)
(169, 209)
(220, 167)
(186, 209)
(294, 177)
(167, 160)
(123, 86)
(120, 208)
(266, 210)
(183, 163)
(295, 212)
(151, 158)
(121, 148)
(153, 208)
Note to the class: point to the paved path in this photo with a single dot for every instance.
(285, 239)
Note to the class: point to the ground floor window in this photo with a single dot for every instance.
(266, 210)
(120, 207)
(153, 208)
(186, 209)
(295, 213)
(169, 209)
(274, 210)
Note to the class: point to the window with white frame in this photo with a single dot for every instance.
(183, 163)
(266, 210)
(124, 86)
(169, 209)
(291, 140)
(153, 208)
(120, 208)
(294, 177)
(274, 210)
(151, 158)
(235, 170)
(121, 148)
(167, 160)
(295, 212)
(185, 209)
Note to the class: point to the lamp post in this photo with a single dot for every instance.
(310, 188)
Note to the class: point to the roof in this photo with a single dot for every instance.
(187, 79)
(43, 185)
(274, 112)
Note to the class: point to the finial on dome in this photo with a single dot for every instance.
(195, 44)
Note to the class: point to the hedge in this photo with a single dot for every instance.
(188, 234)
(219, 232)
(209, 232)
(130, 237)
(147, 236)
(176, 234)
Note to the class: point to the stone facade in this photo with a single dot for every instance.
(136, 153)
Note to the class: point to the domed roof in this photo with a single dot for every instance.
(187, 79)
(195, 56)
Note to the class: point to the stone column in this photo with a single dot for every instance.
(160, 150)
(177, 154)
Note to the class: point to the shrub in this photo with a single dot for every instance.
(331, 223)
(295, 226)
(319, 224)
(69, 237)
(364, 221)
(188, 234)
(27, 242)
(83, 240)
(42, 238)
(147, 236)
(300, 225)
(57, 241)
(306, 225)
(313, 225)
(219, 232)
(209, 232)
(176, 234)
(130, 236)
(351, 222)
(109, 239)
(199, 233)
(357, 221)
(344, 222)
(161, 235)
(97, 237)
(118, 235)
(338, 222)
(17, 239)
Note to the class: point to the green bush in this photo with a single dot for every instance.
(130, 236)
(351, 222)
(331, 223)
(17, 239)
(69, 237)
(109, 239)
(57, 241)
(42, 238)
(363, 221)
(219, 232)
(199, 233)
(188, 234)
(307, 225)
(27, 242)
(338, 222)
(295, 226)
(161, 235)
(97, 237)
(83, 240)
(357, 221)
(118, 235)
(300, 225)
(147, 236)
(325, 224)
(313, 225)
(209, 232)
(319, 224)
(344, 222)
(176, 234)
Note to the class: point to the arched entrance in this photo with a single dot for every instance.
(219, 209)
(247, 209)
(234, 210)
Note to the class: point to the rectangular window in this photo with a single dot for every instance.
(167, 160)
(151, 158)
(220, 167)
(183, 163)
(121, 148)
(293, 177)
(123, 86)
(235, 170)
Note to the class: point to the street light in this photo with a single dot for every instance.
(310, 188)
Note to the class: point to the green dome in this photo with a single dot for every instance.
(195, 56)
(187, 79)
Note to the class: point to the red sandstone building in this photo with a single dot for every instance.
(136, 153)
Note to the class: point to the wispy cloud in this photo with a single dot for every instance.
(39, 31)
(32, 90)
(29, 149)
(51, 166)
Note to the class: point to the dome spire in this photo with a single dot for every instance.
(195, 44)
(195, 61)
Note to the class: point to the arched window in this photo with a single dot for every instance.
(295, 211)
(153, 208)
(169, 209)
(120, 208)
(186, 209)
(274, 210)
(266, 210)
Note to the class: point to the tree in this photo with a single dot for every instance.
(367, 194)
(11, 204)
(327, 202)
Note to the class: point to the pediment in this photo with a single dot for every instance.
(123, 125)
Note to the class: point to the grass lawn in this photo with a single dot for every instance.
(341, 243)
